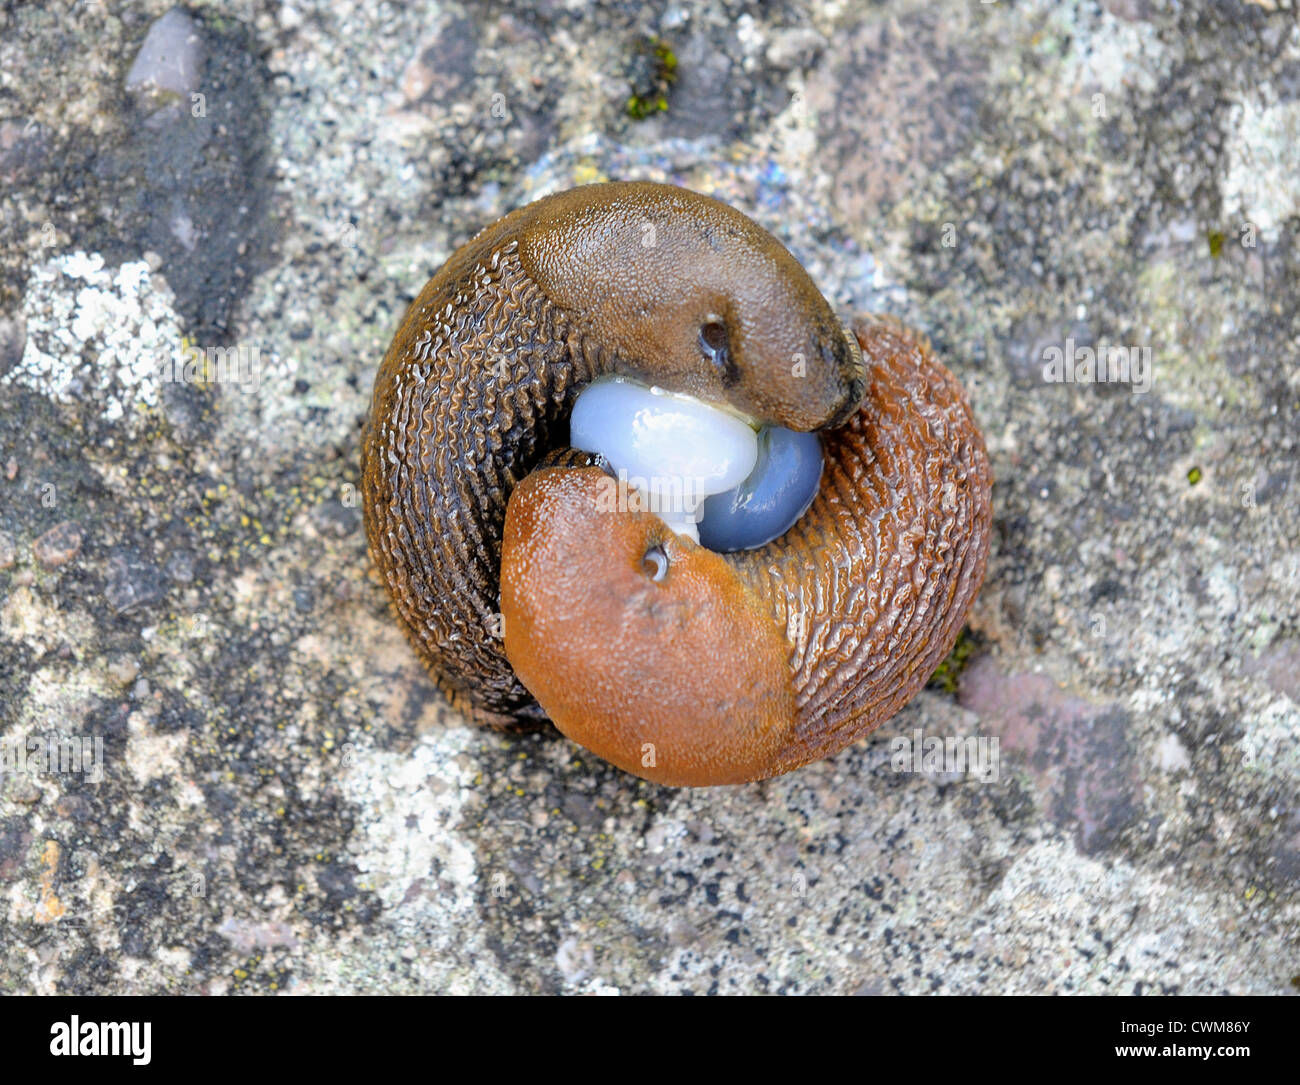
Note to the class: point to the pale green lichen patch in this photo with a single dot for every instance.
(96, 332)
(1264, 163)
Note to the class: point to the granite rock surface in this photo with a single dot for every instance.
(236, 775)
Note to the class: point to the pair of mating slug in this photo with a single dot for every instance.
(531, 597)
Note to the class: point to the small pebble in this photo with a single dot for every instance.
(180, 567)
(170, 60)
(793, 48)
(23, 789)
(59, 545)
(13, 341)
(124, 670)
(131, 582)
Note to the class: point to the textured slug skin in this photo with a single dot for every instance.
(728, 668)
(477, 385)
(868, 591)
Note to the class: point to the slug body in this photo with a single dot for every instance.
(676, 663)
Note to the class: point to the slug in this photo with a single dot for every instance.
(532, 421)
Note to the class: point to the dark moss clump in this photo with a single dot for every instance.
(947, 674)
(651, 72)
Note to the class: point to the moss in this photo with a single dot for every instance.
(651, 72)
(1215, 239)
(947, 674)
(641, 108)
(668, 60)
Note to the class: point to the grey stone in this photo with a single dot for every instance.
(293, 804)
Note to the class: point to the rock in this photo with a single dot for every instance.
(132, 582)
(169, 66)
(24, 149)
(1279, 666)
(289, 803)
(59, 545)
(794, 48)
(13, 337)
(180, 567)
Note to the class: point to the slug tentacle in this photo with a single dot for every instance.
(676, 663)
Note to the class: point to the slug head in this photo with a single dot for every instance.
(688, 294)
(640, 645)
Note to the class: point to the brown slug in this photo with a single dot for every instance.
(678, 664)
